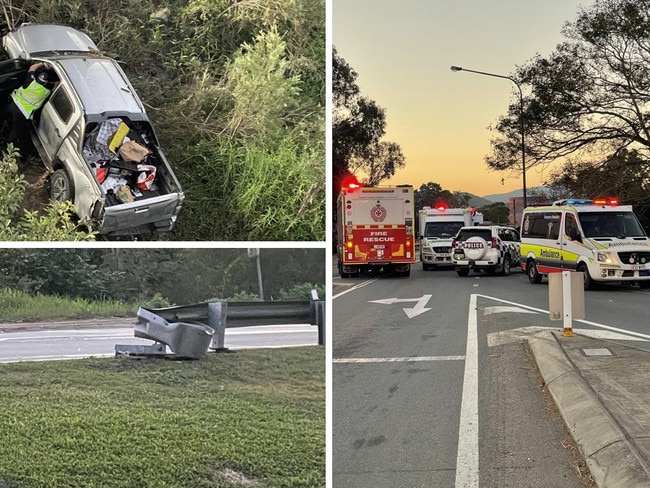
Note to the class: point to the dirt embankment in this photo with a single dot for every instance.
(37, 194)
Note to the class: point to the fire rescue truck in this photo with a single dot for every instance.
(375, 230)
(437, 227)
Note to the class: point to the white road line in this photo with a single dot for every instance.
(397, 360)
(355, 287)
(586, 322)
(467, 458)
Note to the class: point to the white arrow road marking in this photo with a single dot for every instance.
(417, 309)
(491, 310)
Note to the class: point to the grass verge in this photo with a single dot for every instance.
(18, 305)
(250, 418)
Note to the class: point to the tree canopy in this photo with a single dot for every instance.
(178, 276)
(432, 194)
(358, 126)
(623, 175)
(590, 97)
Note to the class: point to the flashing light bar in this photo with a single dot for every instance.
(612, 201)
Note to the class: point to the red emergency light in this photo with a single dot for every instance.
(612, 201)
(351, 183)
(441, 206)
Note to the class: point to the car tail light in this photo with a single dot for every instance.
(494, 242)
(453, 243)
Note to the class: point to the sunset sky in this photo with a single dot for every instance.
(402, 52)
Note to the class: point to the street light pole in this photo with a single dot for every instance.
(521, 120)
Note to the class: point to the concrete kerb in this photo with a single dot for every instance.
(613, 461)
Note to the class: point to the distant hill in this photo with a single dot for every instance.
(504, 197)
(475, 201)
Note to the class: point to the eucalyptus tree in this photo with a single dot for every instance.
(358, 126)
(589, 98)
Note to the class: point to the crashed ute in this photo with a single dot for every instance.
(92, 112)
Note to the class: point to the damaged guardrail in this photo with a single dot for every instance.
(190, 330)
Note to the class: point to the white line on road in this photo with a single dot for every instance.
(586, 322)
(355, 287)
(407, 359)
(467, 457)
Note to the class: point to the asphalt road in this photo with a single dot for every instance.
(433, 383)
(42, 343)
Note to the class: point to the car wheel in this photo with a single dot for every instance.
(341, 273)
(506, 266)
(532, 272)
(61, 186)
(588, 282)
(462, 271)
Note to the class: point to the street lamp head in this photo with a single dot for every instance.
(456, 68)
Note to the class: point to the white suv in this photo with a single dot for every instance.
(492, 248)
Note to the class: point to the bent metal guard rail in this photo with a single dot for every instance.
(220, 315)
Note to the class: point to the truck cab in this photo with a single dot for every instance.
(437, 227)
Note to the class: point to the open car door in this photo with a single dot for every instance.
(12, 75)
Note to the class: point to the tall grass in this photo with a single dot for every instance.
(261, 194)
(17, 305)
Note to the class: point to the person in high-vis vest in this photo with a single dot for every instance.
(25, 101)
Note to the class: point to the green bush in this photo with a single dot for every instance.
(302, 292)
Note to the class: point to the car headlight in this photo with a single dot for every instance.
(605, 257)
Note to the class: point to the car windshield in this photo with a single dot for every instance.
(483, 232)
(442, 229)
(611, 224)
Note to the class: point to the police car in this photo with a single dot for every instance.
(494, 249)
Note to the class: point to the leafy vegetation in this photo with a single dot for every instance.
(431, 194)
(236, 91)
(56, 223)
(358, 126)
(172, 276)
(587, 107)
(252, 417)
(19, 305)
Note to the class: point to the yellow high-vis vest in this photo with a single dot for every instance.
(30, 99)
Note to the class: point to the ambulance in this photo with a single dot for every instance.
(375, 230)
(600, 238)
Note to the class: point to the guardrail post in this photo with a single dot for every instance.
(217, 312)
(318, 316)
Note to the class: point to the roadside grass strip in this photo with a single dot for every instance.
(18, 305)
(250, 418)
